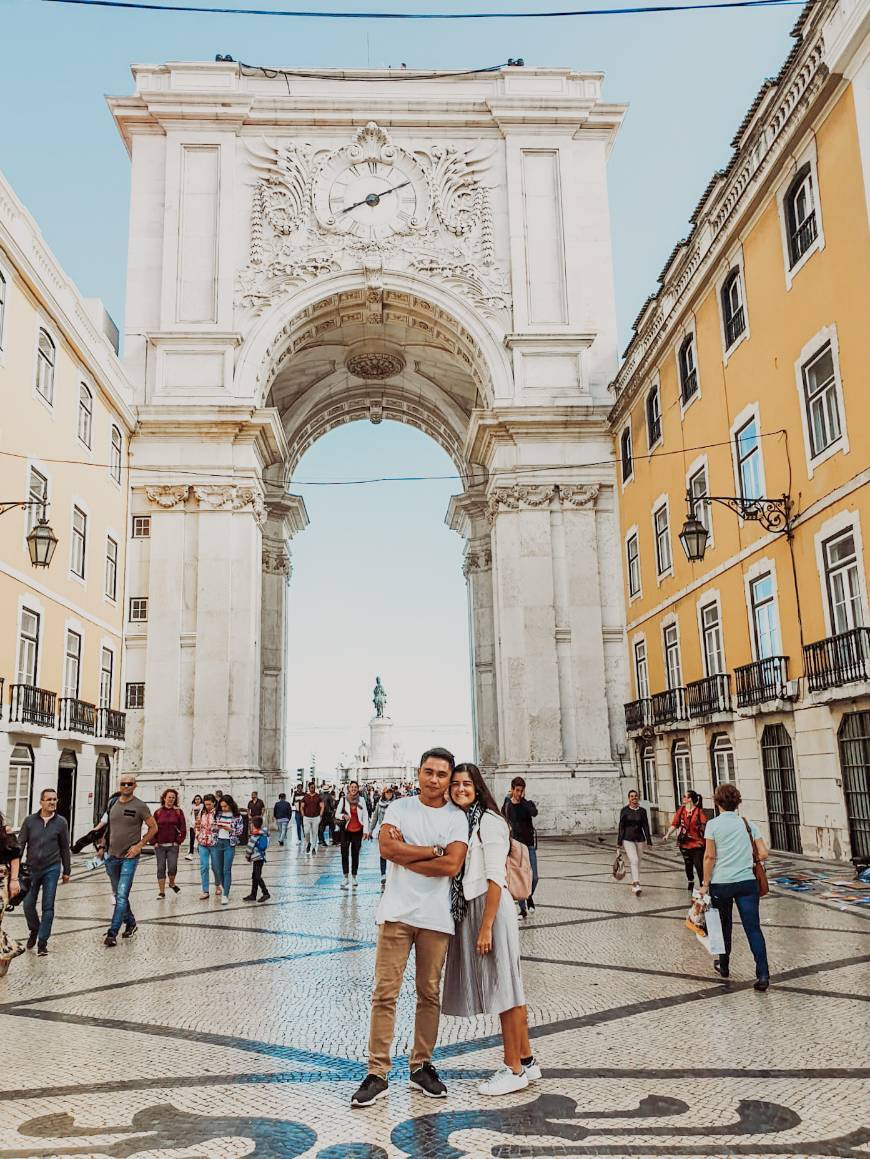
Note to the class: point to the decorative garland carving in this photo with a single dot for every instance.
(276, 561)
(168, 495)
(214, 497)
(578, 494)
(518, 497)
(477, 561)
(376, 364)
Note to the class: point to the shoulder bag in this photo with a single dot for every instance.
(757, 866)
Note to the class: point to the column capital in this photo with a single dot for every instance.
(477, 559)
(168, 495)
(519, 497)
(220, 497)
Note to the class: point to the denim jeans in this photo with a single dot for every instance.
(121, 871)
(745, 894)
(533, 862)
(222, 854)
(45, 879)
(283, 823)
(297, 817)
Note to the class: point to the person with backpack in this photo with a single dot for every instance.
(519, 814)
(483, 974)
(689, 823)
(633, 832)
(258, 843)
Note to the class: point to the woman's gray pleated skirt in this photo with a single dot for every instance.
(484, 983)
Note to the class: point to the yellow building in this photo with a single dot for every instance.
(64, 433)
(746, 379)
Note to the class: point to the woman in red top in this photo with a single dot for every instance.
(170, 835)
(352, 816)
(688, 823)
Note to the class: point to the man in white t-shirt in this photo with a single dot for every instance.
(431, 833)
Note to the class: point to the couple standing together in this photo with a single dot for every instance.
(446, 896)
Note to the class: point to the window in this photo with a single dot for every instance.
(632, 552)
(37, 492)
(641, 672)
(86, 414)
(780, 787)
(820, 400)
(748, 447)
(135, 696)
(46, 356)
(722, 760)
(115, 455)
(28, 647)
(733, 310)
(764, 626)
(653, 416)
(141, 526)
(102, 778)
(138, 609)
(648, 774)
(688, 365)
(111, 568)
(663, 539)
(673, 669)
(843, 583)
(72, 664)
(711, 639)
(800, 215)
(107, 672)
(2, 307)
(79, 542)
(698, 489)
(20, 788)
(682, 767)
(625, 454)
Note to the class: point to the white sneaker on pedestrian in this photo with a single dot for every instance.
(504, 1082)
(344, 884)
(635, 887)
(188, 857)
(225, 900)
(533, 1070)
(354, 883)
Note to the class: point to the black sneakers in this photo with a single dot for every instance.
(31, 941)
(372, 1088)
(110, 940)
(42, 950)
(130, 931)
(426, 1080)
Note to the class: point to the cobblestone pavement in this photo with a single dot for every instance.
(225, 1031)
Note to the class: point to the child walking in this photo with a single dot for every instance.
(258, 843)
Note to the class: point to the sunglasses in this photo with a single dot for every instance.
(127, 784)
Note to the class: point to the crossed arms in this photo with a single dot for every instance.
(420, 858)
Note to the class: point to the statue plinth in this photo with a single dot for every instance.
(381, 742)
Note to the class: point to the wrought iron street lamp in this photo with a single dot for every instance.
(773, 515)
(41, 540)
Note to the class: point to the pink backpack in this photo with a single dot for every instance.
(518, 871)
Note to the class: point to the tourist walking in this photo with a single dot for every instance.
(688, 823)
(230, 828)
(10, 887)
(43, 840)
(633, 833)
(326, 829)
(732, 846)
(312, 811)
(483, 973)
(256, 807)
(124, 843)
(195, 810)
(282, 811)
(520, 813)
(170, 835)
(386, 798)
(258, 843)
(206, 836)
(352, 818)
(424, 838)
(298, 796)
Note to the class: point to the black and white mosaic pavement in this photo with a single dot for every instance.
(225, 1031)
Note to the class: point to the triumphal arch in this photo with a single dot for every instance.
(310, 249)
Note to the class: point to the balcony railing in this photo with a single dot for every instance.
(764, 680)
(689, 385)
(803, 237)
(735, 325)
(638, 714)
(712, 694)
(31, 705)
(669, 706)
(840, 659)
(111, 723)
(76, 715)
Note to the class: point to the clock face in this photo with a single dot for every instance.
(373, 199)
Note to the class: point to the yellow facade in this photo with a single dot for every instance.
(64, 430)
(787, 729)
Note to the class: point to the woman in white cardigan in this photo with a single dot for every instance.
(483, 961)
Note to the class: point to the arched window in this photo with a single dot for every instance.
(20, 789)
(688, 361)
(800, 214)
(733, 310)
(648, 773)
(115, 459)
(625, 454)
(86, 414)
(722, 760)
(46, 356)
(653, 416)
(102, 778)
(681, 761)
(854, 739)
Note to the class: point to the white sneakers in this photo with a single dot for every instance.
(344, 884)
(635, 887)
(504, 1082)
(533, 1071)
(225, 900)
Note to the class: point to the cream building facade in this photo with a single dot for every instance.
(65, 430)
(312, 249)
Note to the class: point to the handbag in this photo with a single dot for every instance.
(757, 865)
(619, 866)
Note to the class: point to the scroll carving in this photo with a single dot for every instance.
(579, 495)
(518, 497)
(168, 495)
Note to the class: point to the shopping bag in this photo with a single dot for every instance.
(619, 866)
(715, 940)
(696, 918)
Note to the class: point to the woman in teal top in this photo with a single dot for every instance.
(729, 878)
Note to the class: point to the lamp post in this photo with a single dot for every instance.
(773, 515)
(41, 540)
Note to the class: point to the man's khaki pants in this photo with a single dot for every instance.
(395, 940)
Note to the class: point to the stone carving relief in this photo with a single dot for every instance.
(477, 560)
(167, 496)
(375, 364)
(231, 498)
(578, 494)
(276, 561)
(299, 234)
(518, 497)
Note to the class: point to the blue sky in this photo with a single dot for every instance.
(688, 78)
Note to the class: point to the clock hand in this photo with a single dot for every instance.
(374, 199)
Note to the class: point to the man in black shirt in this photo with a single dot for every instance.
(518, 813)
(282, 811)
(45, 836)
